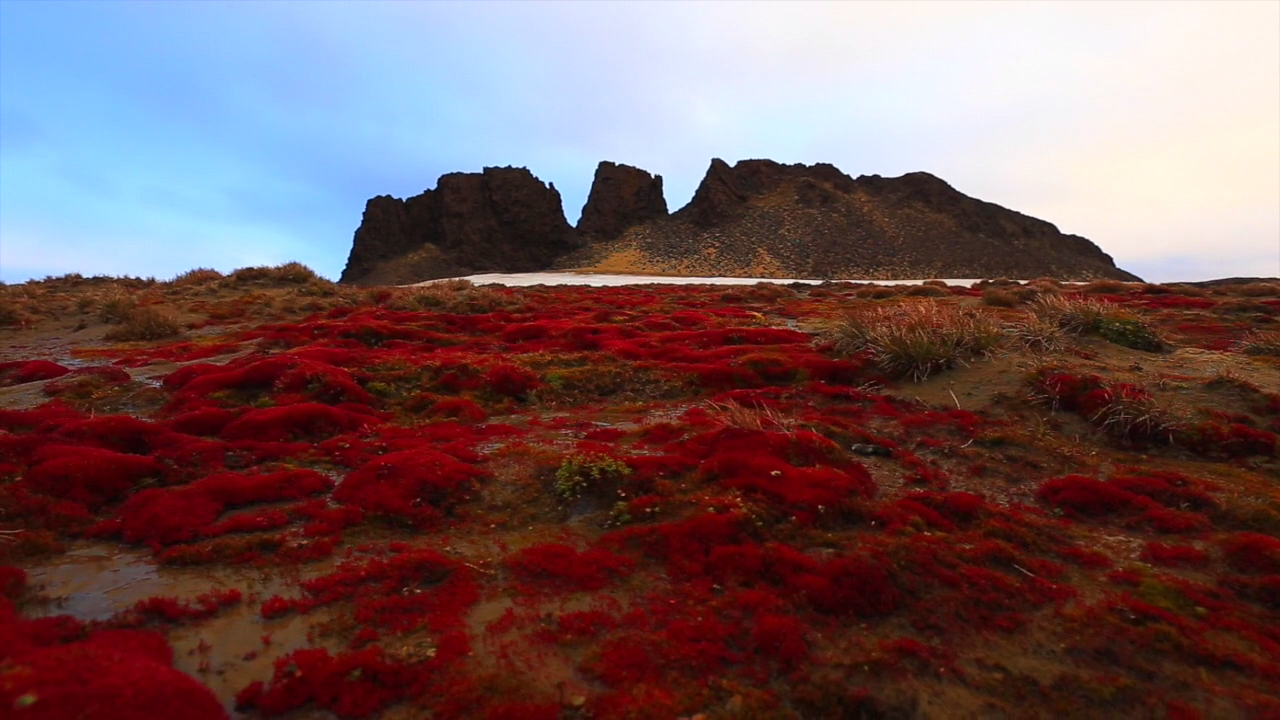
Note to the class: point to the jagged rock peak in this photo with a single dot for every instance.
(499, 219)
(724, 188)
(621, 196)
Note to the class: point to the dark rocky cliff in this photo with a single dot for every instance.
(757, 218)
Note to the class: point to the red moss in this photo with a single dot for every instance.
(1252, 553)
(854, 586)
(416, 485)
(1231, 440)
(301, 421)
(106, 678)
(511, 381)
(1167, 488)
(562, 566)
(19, 372)
(120, 433)
(89, 476)
(253, 488)
(354, 684)
(458, 409)
(1087, 558)
(781, 637)
(1079, 495)
(13, 580)
(1264, 589)
(163, 609)
(1164, 520)
(207, 422)
(683, 544)
(165, 516)
(254, 521)
(1158, 553)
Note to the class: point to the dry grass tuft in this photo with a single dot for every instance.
(927, 290)
(290, 273)
(115, 306)
(915, 339)
(1106, 287)
(1000, 297)
(1133, 415)
(196, 276)
(453, 296)
(1037, 334)
(145, 323)
(877, 292)
(1258, 289)
(756, 417)
(1259, 343)
(1073, 316)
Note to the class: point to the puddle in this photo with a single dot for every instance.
(225, 652)
(95, 582)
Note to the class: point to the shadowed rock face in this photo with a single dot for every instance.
(499, 219)
(757, 218)
(621, 196)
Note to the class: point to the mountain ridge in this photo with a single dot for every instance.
(756, 218)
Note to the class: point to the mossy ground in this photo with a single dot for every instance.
(569, 502)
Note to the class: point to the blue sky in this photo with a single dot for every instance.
(149, 138)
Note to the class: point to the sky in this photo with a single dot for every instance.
(150, 138)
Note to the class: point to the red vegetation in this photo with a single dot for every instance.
(562, 566)
(89, 476)
(164, 516)
(404, 591)
(415, 485)
(19, 372)
(102, 680)
(351, 685)
(754, 566)
(1252, 553)
(1079, 495)
(1174, 555)
(302, 421)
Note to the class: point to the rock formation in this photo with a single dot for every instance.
(501, 219)
(757, 218)
(621, 196)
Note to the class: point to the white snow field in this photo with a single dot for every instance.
(607, 280)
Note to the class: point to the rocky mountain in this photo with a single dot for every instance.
(757, 218)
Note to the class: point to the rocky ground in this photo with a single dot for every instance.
(266, 495)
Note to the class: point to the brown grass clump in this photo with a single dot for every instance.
(1037, 334)
(1073, 316)
(1047, 281)
(756, 417)
(1257, 289)
(116, 306)
(915, 340)
(196, 276)
(1000, 297)
(145, 323)
(877, 292)
(1259, 343)
(290, 273)
(454, 296)
(1133, 416)
(1105, 287)
(926, 290)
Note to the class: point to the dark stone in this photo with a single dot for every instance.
(757, 218)
(498, 220)
(621, 196)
